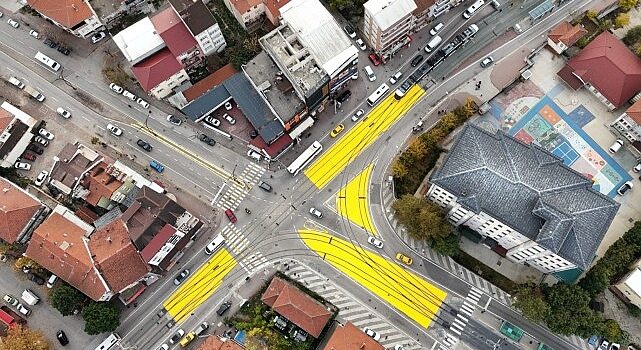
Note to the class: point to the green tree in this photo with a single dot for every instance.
(596, 280)
(422, 219)
(448, 245)
(399, 170)
(23, 338)
(626, 5)
(569, 311)
(591, 14)
(417, 149)
(622, 20)
(529, 300)
(66, 299)
(611, 330)
(100, 317)
(632, 36)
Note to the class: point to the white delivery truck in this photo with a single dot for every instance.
(30, 297)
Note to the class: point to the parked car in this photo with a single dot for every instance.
(40, 179)
(10, 299)
(625, 188)
(129, 95)
(604, 345)
(637, 167)
(116, 88)
(182, 276)
(46, 134)
(487, 61)
(49, 42)
(64, 50)
(156, 166)
(212, 121)
(144, 145)
(201, 328)
(357, 115)
(404, 259)
(62, 338)
(29, 156)
(228, 106)
(316, 213)
(34, 34)
(164, 347)
(616, 146)
(187, 339)
(375, 242)
(174, 120)
(394, 79)
(13, 23)
(615, 346)
(97, 37)
(349, 30)
(373, 334)
(63, 113)
(35, 148)
(344, 96)
(229, 119)
(265, 186)
(437, 28)
(143, 103)
(206, 139)
(36, 279)
(416, 60)
(230, 215)
(337, 130)
(23, 310)
(22, 166)
(253, 134)
(114, 130)
(41, 140)
(176, 337)
(223, 308)
(361, 44)
(375, 60)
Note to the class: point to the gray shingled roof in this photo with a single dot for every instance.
(529, 189)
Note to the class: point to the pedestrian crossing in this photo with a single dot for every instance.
(235, 193)
(350, 310)
(457, 326)
(238, 243)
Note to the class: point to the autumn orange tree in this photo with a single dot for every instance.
(22, 338)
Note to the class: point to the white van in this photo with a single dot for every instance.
(475, 6)
(616, 146)
(433, 44)
(215, 244)
(255, 155)
(30, 297)
(370, 73)
(437, 28)
(44, 59)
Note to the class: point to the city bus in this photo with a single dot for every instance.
(305, 158)
(109, 343)
(378, 94)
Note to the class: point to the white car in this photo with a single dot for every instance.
(176, 337)
(143, 103)
(22, 166)
(129, 95)
(174, 120)
(23, 309)
(229, 119)
(374, 335)
(63, 113)
(9, 299)
(357, 115)
(46, 134)
(637, 168)
(116, 88)
(41, 141)
(487, 61)
(394, 79)
(116, 131)
(164, 347)
(212, 121)
(13, 23)
(315, 212)
(361, 44)
(34, 34)
(228, 106)
(398, 347)
(40, 179)
(97, 37)
(615, 346)
(375, 242)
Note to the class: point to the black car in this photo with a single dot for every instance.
(417, 60)
(223, 308)
(253, 134)
(344, 96)
(144, 145)
(206, 139)
(62, 338)
(35, 148)
(36, 279)
(64, 50)
(49, 42)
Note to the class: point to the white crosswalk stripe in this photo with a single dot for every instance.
(349, 310)
(237, 243)
(235, 193)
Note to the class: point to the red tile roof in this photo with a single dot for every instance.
(69, 13)
(5, 119)
(59, 246)
(116, 257)
(243, 6)
(422, 5)
(567, 33)
(634, 112)
(274, 6)
(608, 65)
(155, 69)
(16, 210)
(100, 184)
(212, 342)
(149, 251)
(173, 31)
(296, 306)
(348, 337)
(210, 82)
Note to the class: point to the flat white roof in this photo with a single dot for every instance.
(319, 32)
(634, 281)
(387, 12)
(139, 41)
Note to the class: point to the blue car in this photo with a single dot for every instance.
(157, 166)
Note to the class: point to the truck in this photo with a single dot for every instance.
(37, 95)
(9, 319)
(14, 81)
(30, 297)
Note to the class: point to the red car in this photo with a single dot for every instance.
(29, 156)
(231, 216)
(375, 60)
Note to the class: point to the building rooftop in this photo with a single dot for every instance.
(211, 81)
(348, 337)
(608, 65)
(17, 208)
(633, 281)
(567, 33)
(277, 90)
(195, 14)
(530, 190)
(100, 184)
(634, 112)
(156, 68)
(296, 306)
(69, 13)
(173, 31)
(72, 161)
(386, 13)
(139, 41)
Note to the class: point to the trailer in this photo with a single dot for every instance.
(9, 319)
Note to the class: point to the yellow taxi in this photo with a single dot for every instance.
(337, 130)
(187, 339)
(404, 259)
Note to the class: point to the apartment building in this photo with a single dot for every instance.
(75, 16)
(388, 25)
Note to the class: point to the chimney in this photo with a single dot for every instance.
(74, 7)
(109, 239)
(362, 346)
(5, 189)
